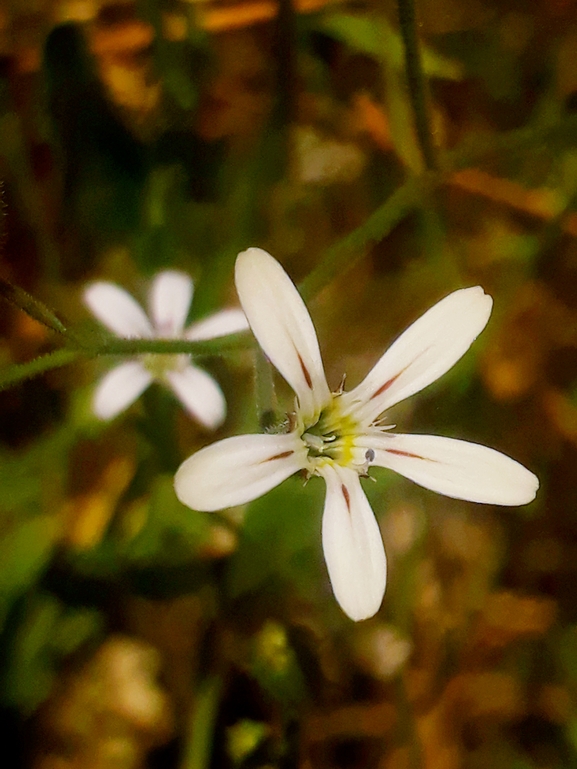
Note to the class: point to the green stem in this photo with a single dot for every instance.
(416, 81)
(350, 249)
(132, 347)
(338, 258)
(17, 372)
(202, 723)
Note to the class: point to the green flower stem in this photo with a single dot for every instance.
(197, 753)
(416, 81)
(336, 260)
(18, 372)
(351, 249)
(132, 347)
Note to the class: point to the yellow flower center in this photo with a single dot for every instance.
(332, 437)
(158, 365)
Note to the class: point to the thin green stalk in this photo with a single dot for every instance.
(198, 749)
(336, 260)
(18, 372)
(416, 81)
(350, 249)
(132, 347)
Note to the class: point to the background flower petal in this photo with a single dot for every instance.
(457, 469)
(352, 545)
(117, 310)
(199, 394)
(220, 324)
(169, 301)
(119, 388)
(238, 470)
(282, 325)
(423, 353)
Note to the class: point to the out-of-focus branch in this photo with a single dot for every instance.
(416, 81)
(350, 249)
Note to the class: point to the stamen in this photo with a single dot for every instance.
(381, 424)
(341, 388)
(315, 442)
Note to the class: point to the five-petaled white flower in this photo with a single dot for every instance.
(169, 301)
(339, 435)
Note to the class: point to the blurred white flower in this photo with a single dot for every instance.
(169, 301)
(340, 435)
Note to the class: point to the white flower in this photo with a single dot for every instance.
(339, 435)
(169, 300)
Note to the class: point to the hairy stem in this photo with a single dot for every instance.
(18, 372)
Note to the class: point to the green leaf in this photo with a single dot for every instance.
(48, 633)
(172, 532)
(24, 552)
(280, 538)
(30, 670)
(31, 306)
(274, 665)
(373, 35)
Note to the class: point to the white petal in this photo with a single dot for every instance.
(119, 388)
(117, 310)
(199, 394)
(352, 545)
(220, 324)
(423, 353)
(169, 301)
(283, 327)
(456, 468)
(238, 470)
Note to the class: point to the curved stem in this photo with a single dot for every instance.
(350, 249)
(416, 81)
(336, 260)
(18, 372)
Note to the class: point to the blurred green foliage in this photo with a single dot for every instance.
(151, 135)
